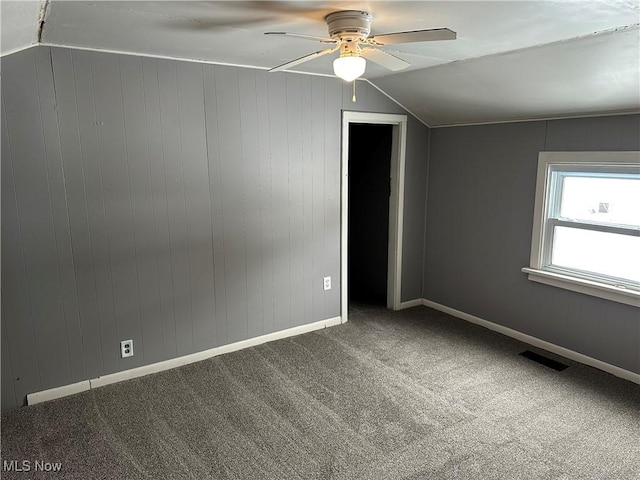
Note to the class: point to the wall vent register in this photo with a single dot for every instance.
(542, 360)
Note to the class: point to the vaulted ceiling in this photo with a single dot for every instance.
(513, 60)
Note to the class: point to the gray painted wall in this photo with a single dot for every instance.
(481, 189)
(182, 205)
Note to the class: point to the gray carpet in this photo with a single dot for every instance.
(414, 394)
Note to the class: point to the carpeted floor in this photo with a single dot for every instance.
(415, 394)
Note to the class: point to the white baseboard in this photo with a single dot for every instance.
(65, 390)
(58, 392)
(411, 303)
(536, 342)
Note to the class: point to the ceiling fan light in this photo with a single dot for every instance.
(349, 68)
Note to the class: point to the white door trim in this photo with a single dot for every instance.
(396, 204)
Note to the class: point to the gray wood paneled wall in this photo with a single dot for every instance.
(481, 189)
(182, 205)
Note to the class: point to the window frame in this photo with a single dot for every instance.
(546, 210)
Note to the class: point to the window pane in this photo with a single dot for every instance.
(607, 200)
(605, 253)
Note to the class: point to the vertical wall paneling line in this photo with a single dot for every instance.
(618, 133)
(185, 245)
(56, 246)
(98, 217)
(345, 94)
(153, 111)
(244, 201)
(266, 199)
(578, 136)
(274, 145)
(251, 183)
(288, 122)
(317, 187)
(627, 131)
(139, 350)
(257, 192)
(314, 126)
(295, 131)
(35, 222)
(233, 180)
(155, 275)
(24, 260)
(222, 206)
(163, 231)
(72, 262)
(171, 234)
(215, 188)
(291, 109)
(188, 159)
(77, 208)
(142, 209)
(593, 135)
(278, 134)
(9, 399)
(303, 227)
(172, 147)
(327, 204)
(222, 202)
(215, 319)
(258, 238)
(333, 194)
(109, 262)
(197, 204)
(307, 197)
(207, 148)
(114, 174)
(144, 279)
(232, 189)
(26, 366)
(424, 230)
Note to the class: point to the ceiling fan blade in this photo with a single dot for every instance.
(300, 35)
(415, 36)
(300, 60)
(385, 59)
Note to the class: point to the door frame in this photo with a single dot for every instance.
(396, 204)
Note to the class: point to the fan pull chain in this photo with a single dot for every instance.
(353, 98)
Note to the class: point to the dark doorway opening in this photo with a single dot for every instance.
(369, 190)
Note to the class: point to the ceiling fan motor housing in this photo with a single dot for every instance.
(349, 25)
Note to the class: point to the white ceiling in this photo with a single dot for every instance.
(512, 60)
(19, 22)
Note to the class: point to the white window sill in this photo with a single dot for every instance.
(588, 287)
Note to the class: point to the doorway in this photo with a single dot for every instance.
(369, 192)
(381, 242)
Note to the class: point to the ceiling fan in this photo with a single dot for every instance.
(349, 32)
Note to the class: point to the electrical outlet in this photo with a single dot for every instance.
(327, 283)
(126, 348)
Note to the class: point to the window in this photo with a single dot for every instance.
(586, 231)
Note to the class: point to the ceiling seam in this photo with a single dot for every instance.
(542, 119)
(167, 57)
(396, 102)
(41, 19)
(146, 55)
(19, 49)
